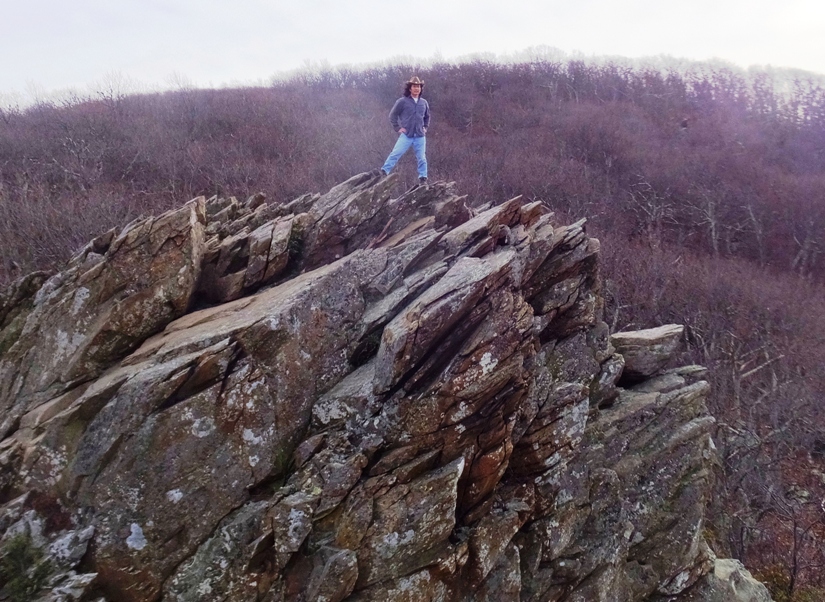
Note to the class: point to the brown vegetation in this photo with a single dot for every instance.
(708, 190)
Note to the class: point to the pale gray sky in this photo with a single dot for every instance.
(48, 45)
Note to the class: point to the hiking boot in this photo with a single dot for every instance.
(422, 180)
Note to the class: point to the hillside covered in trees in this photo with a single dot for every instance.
(706, 187)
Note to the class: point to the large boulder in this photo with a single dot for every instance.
(648, 351)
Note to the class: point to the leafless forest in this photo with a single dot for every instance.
(706, 189)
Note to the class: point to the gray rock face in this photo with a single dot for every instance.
(728, 582)
(646, 352)
(348, 397)
(116, 292)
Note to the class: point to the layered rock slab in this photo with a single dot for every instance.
(117, 291)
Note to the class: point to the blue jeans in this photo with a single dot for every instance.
(404, 143)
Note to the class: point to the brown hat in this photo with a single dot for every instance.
(415, 80)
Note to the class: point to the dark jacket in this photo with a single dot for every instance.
(410, 115)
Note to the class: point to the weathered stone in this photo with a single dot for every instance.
(82, 322)
(411, 335)
(691, 374)
(402, 402)
(728, 582)
(503, 583)
(422, 586)
(343, 216)
(15, 305)
(255, 201)
(351, 397)
(244, 261)
(664, 383)
(219, 568)
(646, 352)
(481, 226)
(69, 588)
(603, 391)
(452, 212)
(411, 526)
(555, 432)
(490, 539)
(334, 578)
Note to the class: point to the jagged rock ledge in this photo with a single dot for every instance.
(349, 397)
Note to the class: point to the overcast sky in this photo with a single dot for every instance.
(48, 45)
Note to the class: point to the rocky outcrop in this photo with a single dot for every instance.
(353, 396)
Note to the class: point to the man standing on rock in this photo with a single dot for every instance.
(410, 117)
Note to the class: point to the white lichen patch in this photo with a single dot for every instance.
(133, 497)
(204, 588)
(61, 548)
(394, 540)
(55, 461)
(136, 540)
(251, 438)
(407, 586)
(579, 414)
(71, 546)
(66, 345)
(462, 411)
(80, 297)
(253, 461)
(203, 427)
(174, 495)
(297, 519)
(327, 411)
(488, 363)
(248, 395)
(680, 581)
